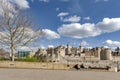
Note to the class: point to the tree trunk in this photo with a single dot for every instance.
(12, 52)
(13, 59)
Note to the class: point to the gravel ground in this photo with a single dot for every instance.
(36, 74)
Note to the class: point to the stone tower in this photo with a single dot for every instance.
(108, 54)
(68, 51)
(98, 50)
(81, 48)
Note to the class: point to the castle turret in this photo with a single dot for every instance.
(81, 48)
(98, 49)
(108, 54)
(68, 51)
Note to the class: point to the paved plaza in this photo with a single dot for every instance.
(37, 74)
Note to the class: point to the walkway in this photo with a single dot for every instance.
(36, 74)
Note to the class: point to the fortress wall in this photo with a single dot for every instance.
(32, 65)
(116, 58)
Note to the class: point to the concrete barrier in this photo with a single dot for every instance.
(38, 65)
(33, 65)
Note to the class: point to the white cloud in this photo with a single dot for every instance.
(111, 43)
(51, 46)
(74, 18)
(71, 19)
(22, 4)
(84, 43)
(44, 0)
(63, 14)
(106, 46)
(77, 30)
(87, 18)
(28, 35)
(48, 34)
(109, 25)
(31, 34)
(13, 5)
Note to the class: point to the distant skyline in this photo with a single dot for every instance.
(90, 22)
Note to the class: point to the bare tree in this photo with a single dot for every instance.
(15, 27)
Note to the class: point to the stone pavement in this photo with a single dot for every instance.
(37, 74)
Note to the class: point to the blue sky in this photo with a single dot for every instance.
(46, 16)
(89, 22)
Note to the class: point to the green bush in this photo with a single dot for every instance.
(3, 59)
(28, 59)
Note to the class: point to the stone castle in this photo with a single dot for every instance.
(83, 54)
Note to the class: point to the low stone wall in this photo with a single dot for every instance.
(33, 65)
(38, 65)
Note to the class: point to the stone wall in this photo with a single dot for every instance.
(32, 65)
(116, 58)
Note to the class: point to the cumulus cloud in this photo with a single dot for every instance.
(71, 19)
(87, 18)
(77, 30)
(111, 43)
(63, 14)
(48, 34)
(51, 46)
(84, 43)
(109, 25)
(44, 33)
(22, 4)
(31, 34)
(74, 18)
(13, 6)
